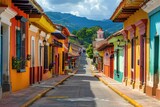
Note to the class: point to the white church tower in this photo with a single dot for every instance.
(100, 35)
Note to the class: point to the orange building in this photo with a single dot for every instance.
(62, 34)
(33, 53)
(19, 44)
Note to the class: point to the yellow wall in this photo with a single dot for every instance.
(60, 52)
(50, 41)
(21, 82)
(140, 14)
(101, 53)
(129, 60)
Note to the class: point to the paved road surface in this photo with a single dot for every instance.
(82, 90)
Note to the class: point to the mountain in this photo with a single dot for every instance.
(73, 22)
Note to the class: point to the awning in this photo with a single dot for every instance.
(59, 35)
(73, 54)
(63, 29)
(125, 9)
(43, 22)
(21, 18)
(104, 46)
(57, 43)
(28, 6)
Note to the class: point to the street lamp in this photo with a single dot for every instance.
(44, 44)
(118, 42)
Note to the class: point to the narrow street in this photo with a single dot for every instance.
(81, 90)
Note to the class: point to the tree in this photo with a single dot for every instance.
(90, 51)
(86, 35)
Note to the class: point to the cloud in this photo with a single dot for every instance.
(92, 9)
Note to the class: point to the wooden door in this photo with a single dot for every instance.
(142, 59)
(156, 64)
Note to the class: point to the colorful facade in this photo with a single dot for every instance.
(73, 53)
(98, 56)
(113, 56)
(117, 40)
(106, 64)
(34, 53)
(56, 45)
(62, 34)
(41, 49)
(6, 15)
(136, 30)
(153, 81)
(19, 45)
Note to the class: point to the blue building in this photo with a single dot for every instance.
(152, 7)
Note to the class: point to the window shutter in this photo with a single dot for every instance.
(45, 57)
(18, 44)
(132, 54)
(63, 61)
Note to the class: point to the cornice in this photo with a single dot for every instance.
(33, 28)
(151, 5)
(43, 34)
(6, 13)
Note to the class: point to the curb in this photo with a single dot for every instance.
(41, 94)
(130, 100)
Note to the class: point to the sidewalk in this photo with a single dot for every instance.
(135, 97)
(34, 92)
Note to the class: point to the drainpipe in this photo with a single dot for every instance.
(0, 62)
(117, 67)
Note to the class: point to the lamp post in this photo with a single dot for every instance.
(118, 42)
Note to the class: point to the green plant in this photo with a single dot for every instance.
(96, 65)
(90, 51)
(92, 62)
(18, 63)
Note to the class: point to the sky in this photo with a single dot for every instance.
(91, 9)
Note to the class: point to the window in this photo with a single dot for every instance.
(32, 53)
(132, 54)
(46, 57)
(51, 57)
(20, 44)
(1, 30)
(63, 60)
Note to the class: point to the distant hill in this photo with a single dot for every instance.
(75, 23)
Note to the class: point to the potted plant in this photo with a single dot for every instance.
(18, 63)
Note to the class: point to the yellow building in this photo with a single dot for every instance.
(136, 32)
(63, 52)
(40, 47)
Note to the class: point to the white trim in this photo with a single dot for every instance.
(47, 44)
(6, 14)
(39, 44)
(65, 46)
(151, 5)
(33, 28)
(33, 38)
(17, 28)
(40, 41)
(57, 31)
(43, 34)
(48, 36)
